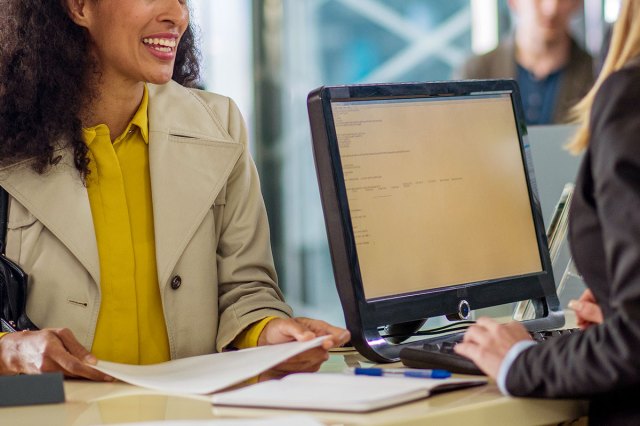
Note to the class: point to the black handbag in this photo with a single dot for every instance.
(13, 281)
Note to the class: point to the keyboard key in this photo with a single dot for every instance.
(447, 347)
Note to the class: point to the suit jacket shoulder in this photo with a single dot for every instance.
(616, 100)
(577, 79)
(498, 63)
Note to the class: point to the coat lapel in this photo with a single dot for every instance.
(190, 157)
(58, 199)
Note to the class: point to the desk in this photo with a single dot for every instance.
(91, 403)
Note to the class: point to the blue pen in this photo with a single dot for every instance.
(414, 372)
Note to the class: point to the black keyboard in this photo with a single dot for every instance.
(439, 354)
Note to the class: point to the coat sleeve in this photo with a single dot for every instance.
(248, 289)
(603, 358)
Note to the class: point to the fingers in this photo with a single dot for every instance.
(587, 310)
(587, 296)
(302, 329)
(339, 336)
(487, 331)
(487, 342)
(283, 330)
(74, 347)
(477, 333)
(587, 313)
(44, 351)
(297, 330)
(73, 358)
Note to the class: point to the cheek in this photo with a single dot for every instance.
(114, 40)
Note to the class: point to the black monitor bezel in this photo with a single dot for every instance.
(361, 312)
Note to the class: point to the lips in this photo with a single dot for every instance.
(163, 45)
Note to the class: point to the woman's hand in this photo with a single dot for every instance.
(487, 342)
(282, 330)
(44, 351)
(587, 310)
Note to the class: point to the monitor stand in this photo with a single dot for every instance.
(404, 330)
(369, 341)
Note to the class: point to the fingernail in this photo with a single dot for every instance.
(90, 359)
(575, 305)
(109, 379)
(345, 336)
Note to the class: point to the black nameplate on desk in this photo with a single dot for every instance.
(31, 389)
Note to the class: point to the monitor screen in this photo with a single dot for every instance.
(430, 205)
(437, 192)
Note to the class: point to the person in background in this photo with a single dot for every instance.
(134, 206)
(601, 362)
(553, 72)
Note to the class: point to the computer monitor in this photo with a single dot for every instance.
(429, 203)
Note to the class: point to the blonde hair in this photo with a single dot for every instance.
(625, 45)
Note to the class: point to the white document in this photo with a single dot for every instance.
(206, 373)
(338, 392)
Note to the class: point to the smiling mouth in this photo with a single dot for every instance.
(165, 45)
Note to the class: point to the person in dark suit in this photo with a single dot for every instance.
(601, 362)
(553, 71)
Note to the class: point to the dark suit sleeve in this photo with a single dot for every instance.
(605, 357)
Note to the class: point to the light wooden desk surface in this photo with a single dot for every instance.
(91, 403)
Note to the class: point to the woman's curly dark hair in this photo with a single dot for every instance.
(46, 79)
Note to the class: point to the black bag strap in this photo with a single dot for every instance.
(4, 217)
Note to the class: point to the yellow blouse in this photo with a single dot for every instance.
(131, 327)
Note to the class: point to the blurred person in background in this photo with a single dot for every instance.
(553, 72)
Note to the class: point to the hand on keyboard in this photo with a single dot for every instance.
(440, 353)
(487, 342)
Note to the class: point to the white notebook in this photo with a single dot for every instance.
(338, 392)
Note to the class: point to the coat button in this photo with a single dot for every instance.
(176, 282)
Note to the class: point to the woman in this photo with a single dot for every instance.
(601, 363)
(135, 207)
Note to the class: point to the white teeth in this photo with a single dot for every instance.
(169, 43)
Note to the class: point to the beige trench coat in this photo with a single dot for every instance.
(211, 228)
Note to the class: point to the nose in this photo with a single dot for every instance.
(175, 12)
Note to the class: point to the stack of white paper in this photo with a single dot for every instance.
(207, 373)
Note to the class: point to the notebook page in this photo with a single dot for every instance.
(334, 392)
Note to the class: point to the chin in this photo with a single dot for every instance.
(160, 79)
(553, 34)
